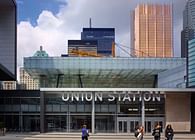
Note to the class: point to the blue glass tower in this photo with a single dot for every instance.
(191, 64)
(104, 36)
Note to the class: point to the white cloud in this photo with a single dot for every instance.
(48, 33)
(53, 31)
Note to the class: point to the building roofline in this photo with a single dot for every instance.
(172, 90)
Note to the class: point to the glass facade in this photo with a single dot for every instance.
(98, 72)
(8, 40)
(20, 110)
(70, 115)
(186, 35)
(104, 36)
(103, 110)
(191, 63)
(189, 15)
(153, 31)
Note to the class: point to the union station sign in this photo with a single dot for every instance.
(123, 96)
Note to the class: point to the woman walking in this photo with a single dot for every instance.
(169, 132)
(156, 132)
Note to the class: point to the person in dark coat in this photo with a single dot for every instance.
(156, 132)
(169, 132)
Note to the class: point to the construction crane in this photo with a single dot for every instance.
(85, 53)
(121, 47)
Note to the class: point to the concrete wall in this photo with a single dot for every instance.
(177, 108)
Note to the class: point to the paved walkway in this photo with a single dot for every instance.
(76, 136)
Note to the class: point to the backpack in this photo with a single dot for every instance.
(136, 133)
(156, 133)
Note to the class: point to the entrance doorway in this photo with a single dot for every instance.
(128, 124)
(35, 124)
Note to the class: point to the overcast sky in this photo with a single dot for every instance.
(51, 23)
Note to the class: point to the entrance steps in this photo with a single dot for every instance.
(102, 136)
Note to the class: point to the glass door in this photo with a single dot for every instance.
(148, 126)
(133, 125)
(122, 126)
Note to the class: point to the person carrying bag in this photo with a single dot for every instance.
(139, 132)
(169, 132)
(156, 132)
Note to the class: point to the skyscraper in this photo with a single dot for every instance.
(104, 37)
(153, 31)
(8, 40)
(191, 64)
(189, 15)
(188, 40)
(186, 35)
(188, 26)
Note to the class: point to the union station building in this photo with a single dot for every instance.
(110, 95)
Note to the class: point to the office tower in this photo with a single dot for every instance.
(82, 48)
(186, 35)
(153, 30)
(104, 37)
(27, 82)
(8, 49)
(188, 26)
(188, 40)
(191, 64)
(189, 15)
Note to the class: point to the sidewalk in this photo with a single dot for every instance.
(77, 136)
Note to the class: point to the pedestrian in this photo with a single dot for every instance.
(85, 133)
(156, 132)
(169, 132)
(139, 133)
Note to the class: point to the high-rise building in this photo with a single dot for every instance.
(191, 64)
(104, 37)
(188, 41)
(186, 35)
(153, 31)
(82, 47)
(27, 82)
(189, 15)
(188, 26)
(8, 40)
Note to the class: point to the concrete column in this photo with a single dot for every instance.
(93, 113)
(143, 110)
(67, 122)
(42, 112)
